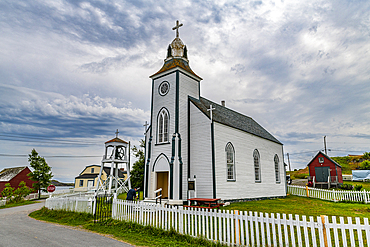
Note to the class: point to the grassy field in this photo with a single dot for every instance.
(303, 206)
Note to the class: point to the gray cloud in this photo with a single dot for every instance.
(78, 69)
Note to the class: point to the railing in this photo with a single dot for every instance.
(247, 228)
(158, 196)
(330, 195)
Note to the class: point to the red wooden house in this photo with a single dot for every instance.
(14, 176)
(324, 172)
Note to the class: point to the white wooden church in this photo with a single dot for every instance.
(190, 138)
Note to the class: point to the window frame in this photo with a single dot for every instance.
(277, 168)
(81, 183)
(229, 149)
(257, 166)
(163, 126)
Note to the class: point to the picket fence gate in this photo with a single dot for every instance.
(330, 195)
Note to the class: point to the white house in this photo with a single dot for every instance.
(189, 138)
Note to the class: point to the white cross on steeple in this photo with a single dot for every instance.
(177, 28)
(117, 133)
(211, 110)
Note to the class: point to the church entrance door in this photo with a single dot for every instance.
(162, 182)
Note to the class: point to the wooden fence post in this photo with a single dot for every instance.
(307, 191)
(324, 230)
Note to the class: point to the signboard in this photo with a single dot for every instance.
(191, 185)
(51, 188)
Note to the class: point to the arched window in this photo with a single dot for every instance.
(257, 168)
(163, 126)
(277, 172)
(230, 161)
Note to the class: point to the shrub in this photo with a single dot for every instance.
(346, 187)
(8, 192)
(15, 195)
(365, 165)
(21, 192)
(366, 156)
(358, 187)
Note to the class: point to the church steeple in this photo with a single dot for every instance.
(177, 55)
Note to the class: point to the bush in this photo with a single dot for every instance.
(346, 187)
(15, 195)
(358, 187)
(21, 192)
(301, 176)
(8, 192)
(365, 165)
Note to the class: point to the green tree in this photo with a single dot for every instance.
(137, 172)
(8, 192)
(366, 156)
(365, 165)
(21, 192)
(42, 172)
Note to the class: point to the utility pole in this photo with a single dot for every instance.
(290, 169)
(325, 145)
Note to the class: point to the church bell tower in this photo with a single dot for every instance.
(166, 139)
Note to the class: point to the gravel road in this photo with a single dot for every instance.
(17, 229)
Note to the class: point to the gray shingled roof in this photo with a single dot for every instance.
(231, 118)
(9, 173)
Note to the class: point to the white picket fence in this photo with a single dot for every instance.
(248, 228)
(234, 228)
(330, 195)
(75, 204)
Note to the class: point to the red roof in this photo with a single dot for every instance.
(116, 139)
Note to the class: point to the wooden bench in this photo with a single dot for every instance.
(208, 203)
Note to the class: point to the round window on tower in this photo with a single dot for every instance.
(164, 87)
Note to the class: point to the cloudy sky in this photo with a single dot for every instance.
(72, 72)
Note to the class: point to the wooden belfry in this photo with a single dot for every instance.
(117, 152)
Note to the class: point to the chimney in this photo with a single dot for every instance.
(223, 102)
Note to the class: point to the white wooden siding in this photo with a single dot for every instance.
(201, 152)
(245, 185)
(167, 101)
(187, 87)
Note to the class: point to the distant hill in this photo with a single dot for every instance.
(348, 163)
(57, 183)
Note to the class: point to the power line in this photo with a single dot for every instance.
(43, 139)
(53, 142)
(56, 156)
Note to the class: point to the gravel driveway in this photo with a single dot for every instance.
(17, 229)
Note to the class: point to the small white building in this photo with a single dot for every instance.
(189, 138)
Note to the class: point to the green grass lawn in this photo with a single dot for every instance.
(124, 195)
(303, 206)
(10, 205)
(121, 230)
